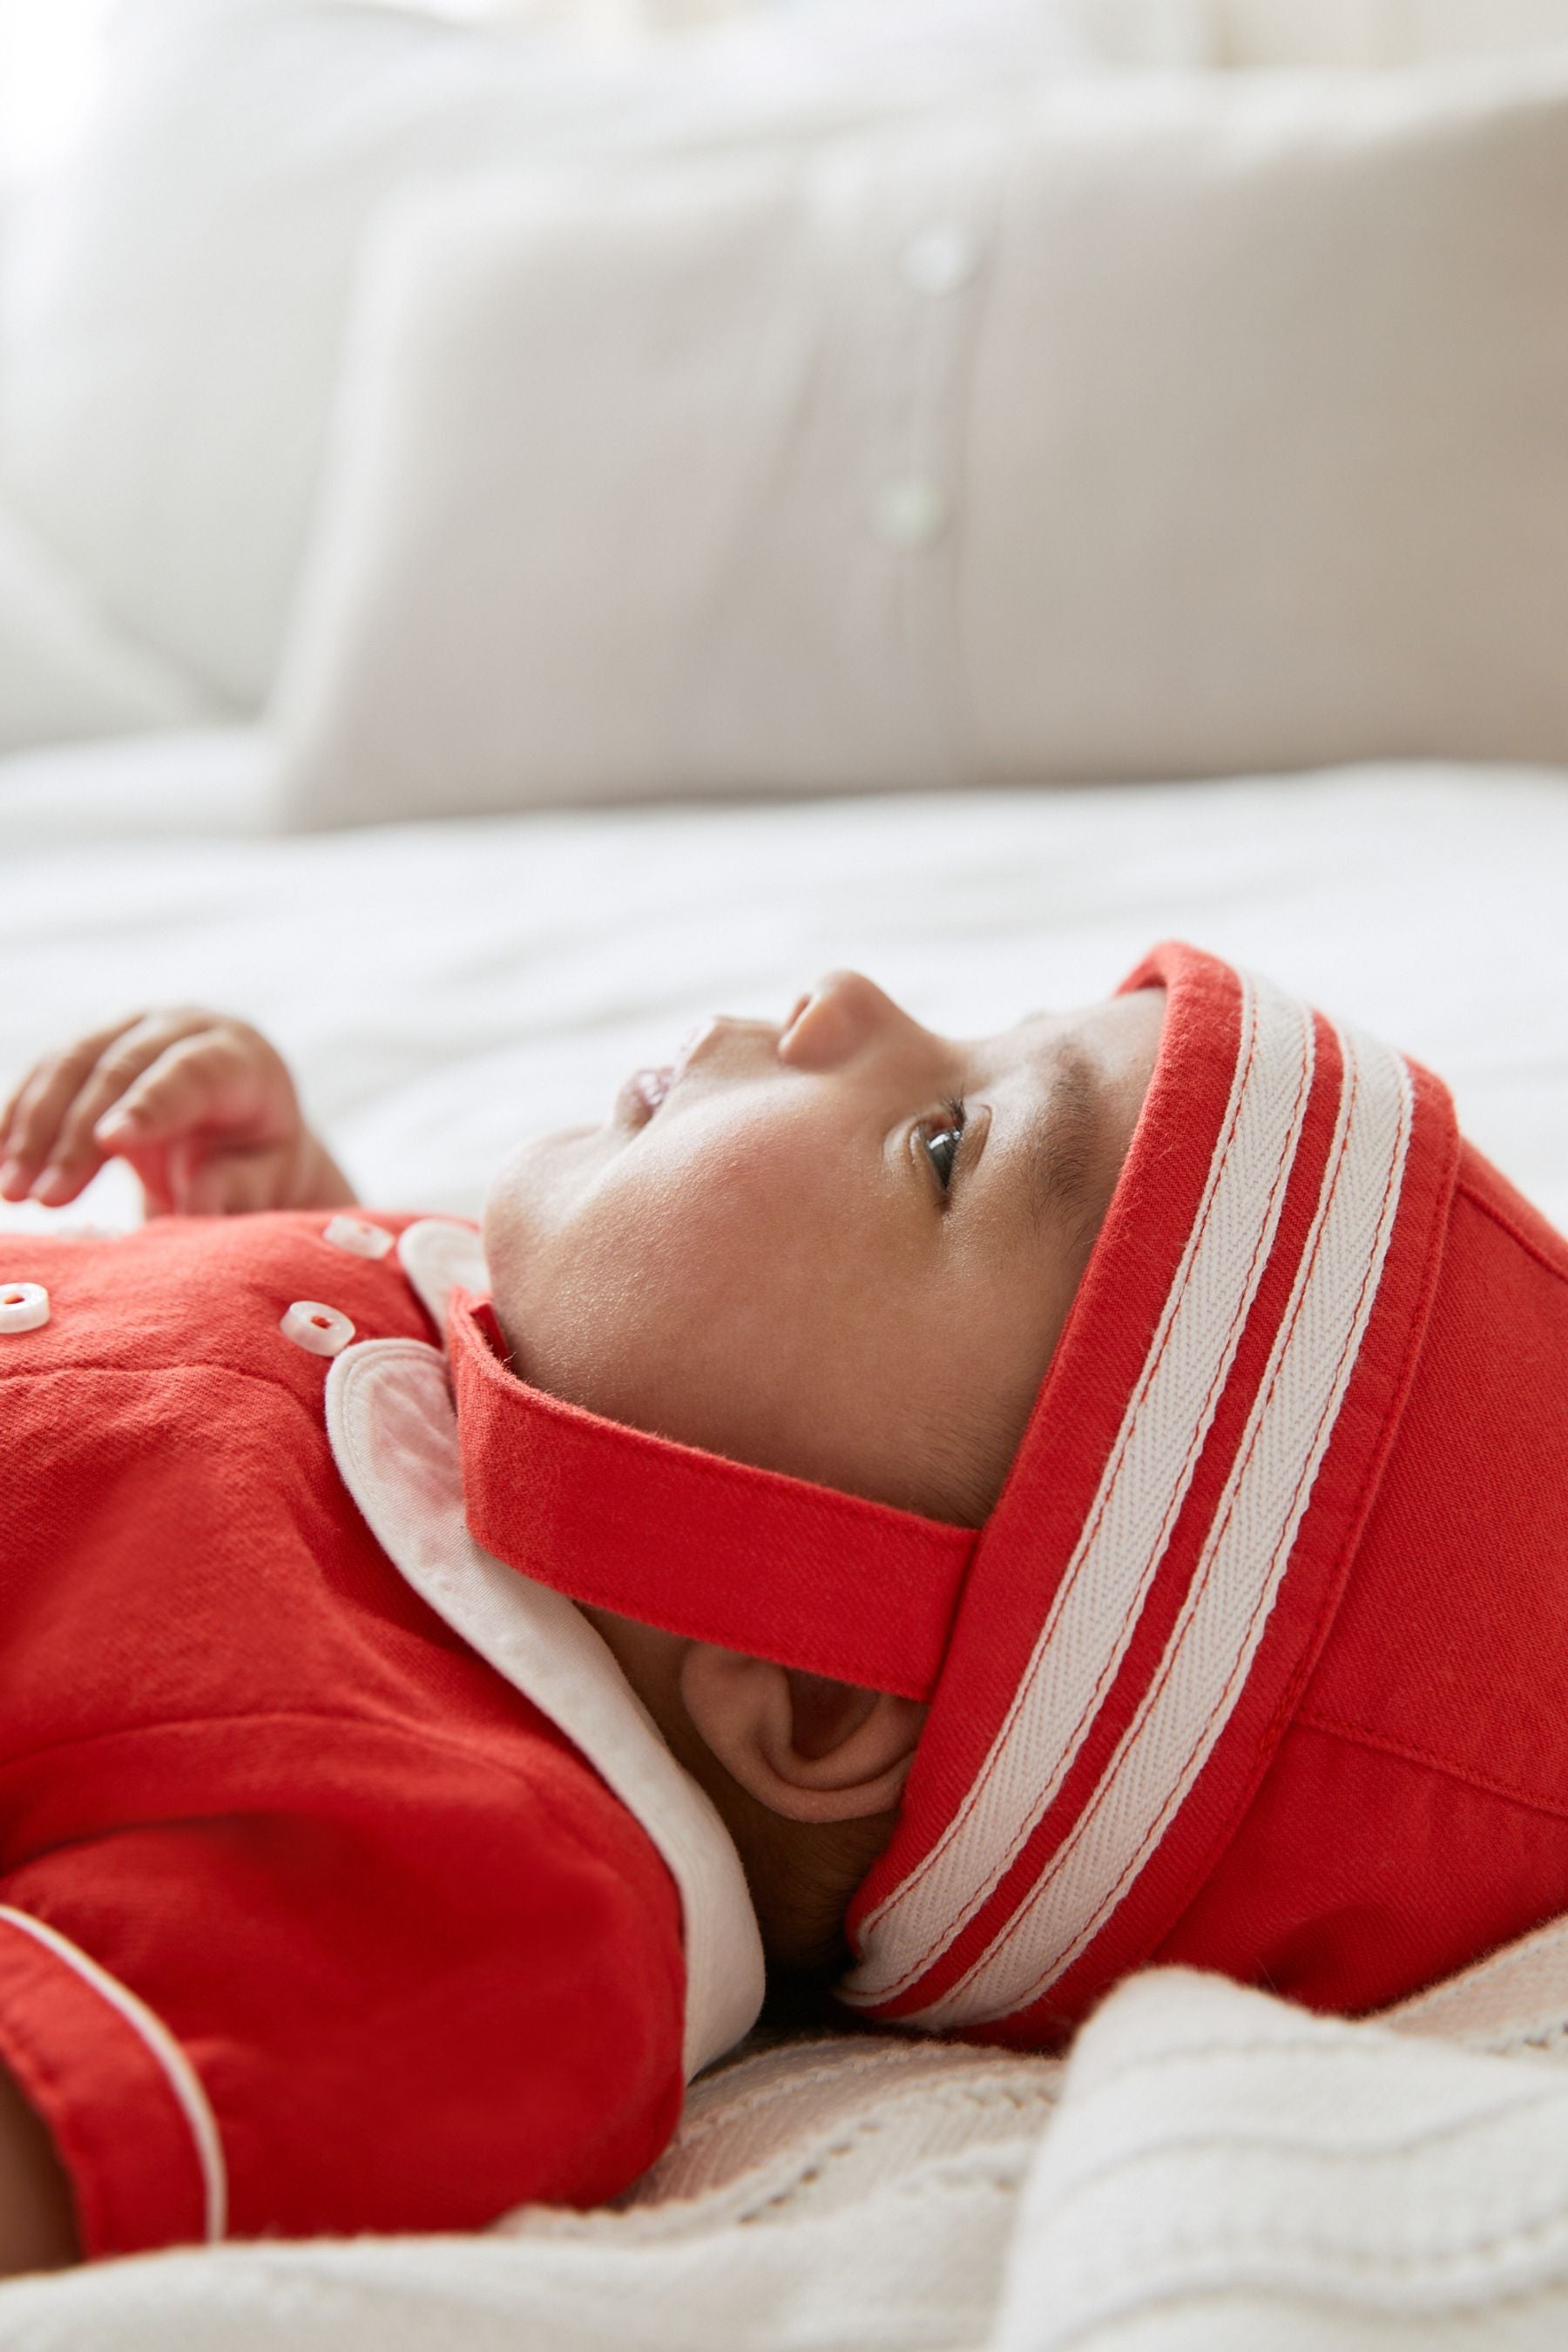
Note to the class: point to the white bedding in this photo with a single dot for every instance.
(1210, 2171)
(442, 989)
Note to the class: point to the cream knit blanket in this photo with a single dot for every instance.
(1210, 2171)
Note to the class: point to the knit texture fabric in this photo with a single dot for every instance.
(1211, 2170)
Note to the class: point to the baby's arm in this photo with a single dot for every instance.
(202, 1107)
(36, 2231)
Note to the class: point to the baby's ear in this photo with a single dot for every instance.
(806, 1747)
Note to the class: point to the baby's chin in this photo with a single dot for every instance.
(536, 1189)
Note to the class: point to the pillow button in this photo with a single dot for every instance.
(940, 259)
(910, 513)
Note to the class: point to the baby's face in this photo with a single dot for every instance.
(843, 1247)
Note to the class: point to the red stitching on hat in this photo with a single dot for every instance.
(1431, 1248)
(1265, 1603)
(1356, 1736)
(1149, 1924)
(1019, 1841)
(1108, 1677)
(1515, 1232)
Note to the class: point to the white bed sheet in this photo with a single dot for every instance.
(1210, 2171)
(444, 989)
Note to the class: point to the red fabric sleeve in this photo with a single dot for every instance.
(390, 2016)
(97, 2066)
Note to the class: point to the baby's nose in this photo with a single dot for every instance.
(836, 1019)
(725, 1044)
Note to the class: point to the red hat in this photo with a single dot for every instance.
(1261, 1660)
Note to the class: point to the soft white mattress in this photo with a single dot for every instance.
(442, 989)
(1210, 2169)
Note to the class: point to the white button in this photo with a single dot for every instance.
(360, 1239)
(910, 513)
(23, 1306)
(940, 259)
(321, 1330)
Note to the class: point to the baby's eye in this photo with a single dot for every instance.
(943, 1140)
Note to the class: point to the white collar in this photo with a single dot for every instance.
(393, 1434)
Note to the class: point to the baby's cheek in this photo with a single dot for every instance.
(691, 1288)
(739, 1178)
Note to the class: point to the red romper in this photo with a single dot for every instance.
(312, 1918)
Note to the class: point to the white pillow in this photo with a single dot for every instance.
(173, 310)
(1180, 426)
(63, 671)
(1376, 32)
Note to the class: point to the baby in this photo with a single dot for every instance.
(1088, 1496)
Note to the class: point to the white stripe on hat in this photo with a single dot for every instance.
(1184, 1712)
(1107, 1582)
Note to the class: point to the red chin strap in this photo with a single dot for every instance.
(755, 1561)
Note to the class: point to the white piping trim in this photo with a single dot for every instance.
(1191, 1698)
(180, 2075)
(394, 1435)
(1097, 1606)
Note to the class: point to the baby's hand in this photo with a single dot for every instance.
(202, 1107)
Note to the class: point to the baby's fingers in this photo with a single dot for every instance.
(204, 1078)
(227, 1183)
(87, 1134)
(36, 1112)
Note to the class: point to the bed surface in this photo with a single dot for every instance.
(445, 989)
